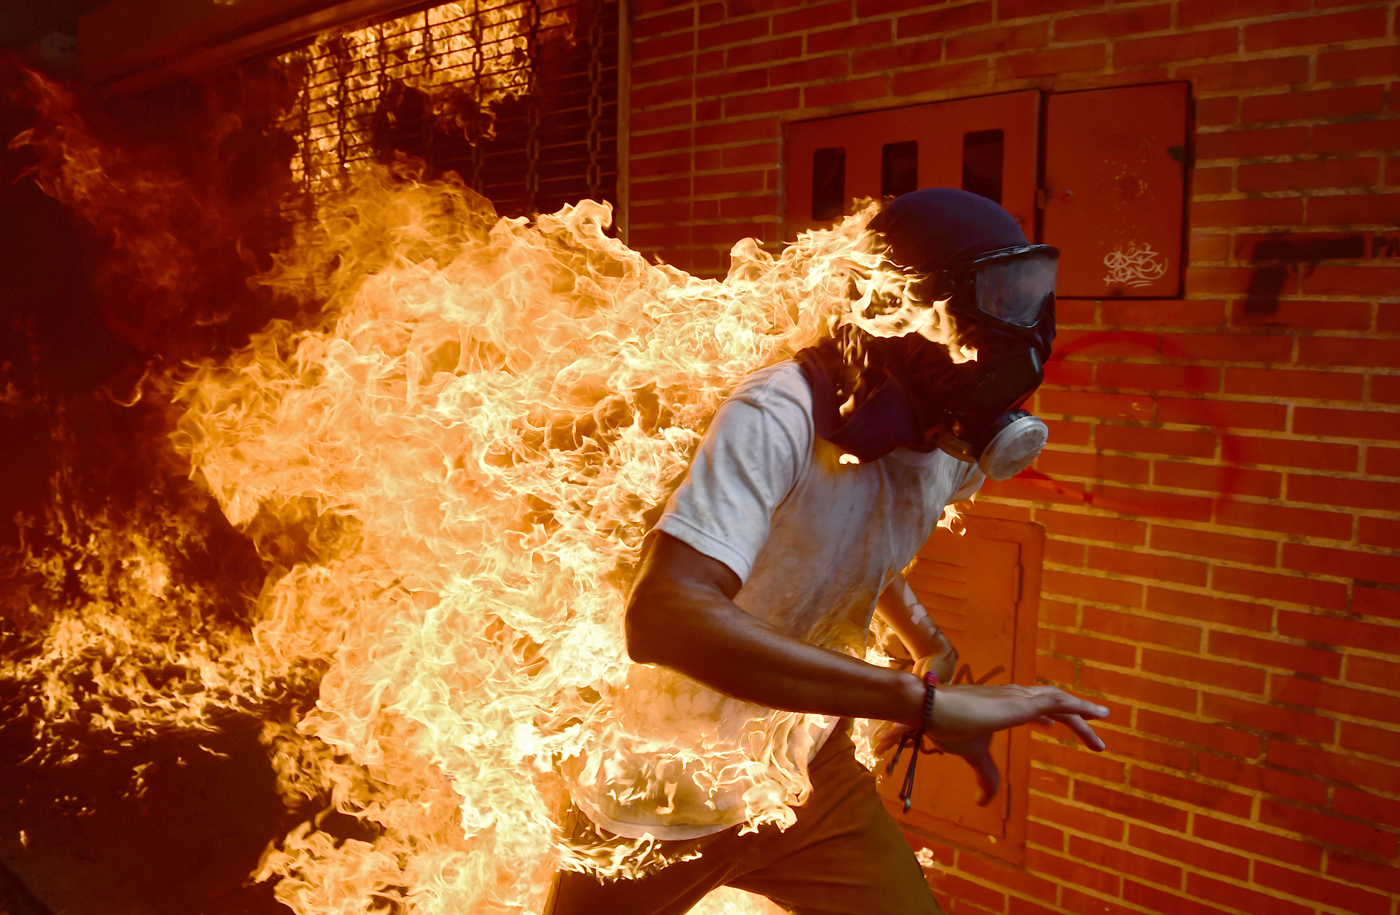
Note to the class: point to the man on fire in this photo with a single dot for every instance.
(816, 483)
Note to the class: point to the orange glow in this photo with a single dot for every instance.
(470, 441)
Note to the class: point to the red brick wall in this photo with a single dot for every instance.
(1222, 488)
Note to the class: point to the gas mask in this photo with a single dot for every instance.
(1003, 302)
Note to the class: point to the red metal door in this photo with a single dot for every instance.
(1115, 173)
(982, 589)
(989, 145)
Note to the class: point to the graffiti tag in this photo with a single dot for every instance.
(1135, 265)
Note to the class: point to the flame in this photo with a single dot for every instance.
(467, 442)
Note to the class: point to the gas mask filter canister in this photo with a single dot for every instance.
(1011, 293)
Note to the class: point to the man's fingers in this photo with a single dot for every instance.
(1081, 729)
(987, 774)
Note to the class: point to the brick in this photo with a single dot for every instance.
(1063, 432)
(1326, 828)
(1314, 30)
(1354, 870)
(1168, 313)
(863, 34)
(1329, 697)
(1092, 466)
(1076, 873)
(761, 102)
(1207, 246)
(1212, 545)
(1034, 490)
(813, 17)
(1331, 630)
(1148, 502)
(1256, 842)
(1098, 650)
(1236, 347)
(1057, 60)
(1357, 136)
(1086, 587)
(1342, 491)
(1260, 212)
(1160, 568)
(1362, 773)
(1059, 373)
(1235, 144)
(1191, 378)
(1180, 46)
(1110, 406)
(998, 40)
(1276, 654)
(1155, 441)
(1230, 281)
(1268, 517)
(1168, 903)
(1239, 897)
(1223, 413)
(1374, 672)
(1192, 854)
(1124, 862)
(1211, 112)
(767, 53)
(747, 207)
(1212, 181)
(1295, 384)
(1189, 791)
(1045, 836)
(1366, 805)
(1247, 74)
(757, 154)
(1358, 280)
(1284, 588)
(1227, 481)
(1259, 778)
(854, 90)
(1020, 9)
(1133, 746)
(1385, 389)
(913, 54)
(1200, 670)
(959, 888)
(966, 73)
(736, 31)
(1106, 343)
(1360, 63)
(1379, 532)
(1311, 314)
(1114, 23)
(1011, 878)
(1195, 734)
(1268, 718)
(1141, 689)
(1340, 103)
(1210, 608)
(1353, 209)
(1128, 805)
(1076, 759)
(1205, 12)
(1093, 527)
(1358, 351)
(944, 20)
(1378, 567)
(729, 183)
(1080, 819)
(1383, 461)
(667, 46)
(1142, 629)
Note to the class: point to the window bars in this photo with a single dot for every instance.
(502, 92)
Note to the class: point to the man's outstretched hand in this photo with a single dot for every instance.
(966, 717)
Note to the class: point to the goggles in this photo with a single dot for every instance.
(1010, 286)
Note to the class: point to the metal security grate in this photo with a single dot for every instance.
(518, 98)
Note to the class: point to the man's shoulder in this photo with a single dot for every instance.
(781, 386)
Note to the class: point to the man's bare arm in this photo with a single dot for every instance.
(682, 615)
(901, 610)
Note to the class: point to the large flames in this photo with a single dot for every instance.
(466, 443)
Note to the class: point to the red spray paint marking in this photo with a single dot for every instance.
(1229, 453)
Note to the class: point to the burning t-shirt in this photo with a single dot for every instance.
(815, 541)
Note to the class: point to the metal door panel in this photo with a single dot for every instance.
(939, 129)
(1115, 173)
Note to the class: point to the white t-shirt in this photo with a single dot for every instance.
(815, 542)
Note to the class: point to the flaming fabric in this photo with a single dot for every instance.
(469, 434)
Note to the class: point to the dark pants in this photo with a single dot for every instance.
(843, 856)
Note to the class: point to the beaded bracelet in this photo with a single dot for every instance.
(906, 791)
